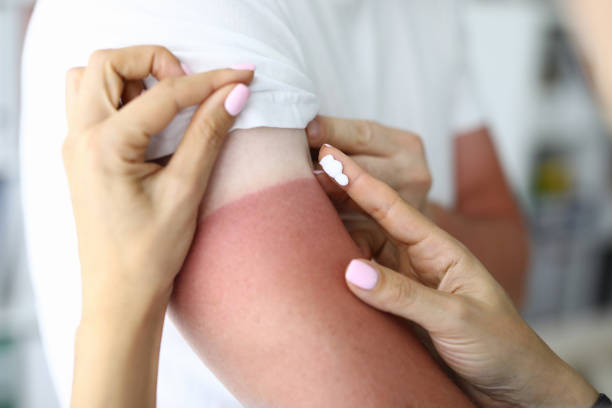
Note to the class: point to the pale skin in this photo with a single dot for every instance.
(438, 284)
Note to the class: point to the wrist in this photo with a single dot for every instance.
(116, 354)
(565, 387)
(117, 296)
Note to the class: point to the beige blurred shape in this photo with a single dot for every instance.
(590, 21)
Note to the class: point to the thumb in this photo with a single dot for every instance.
(194, 158)
(397, 294)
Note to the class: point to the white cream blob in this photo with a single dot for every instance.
(334, 168)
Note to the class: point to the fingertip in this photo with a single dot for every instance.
(333, 161)
(361, 274)
(243, 75)
(314, 133)
(237, 99)
(326, 149)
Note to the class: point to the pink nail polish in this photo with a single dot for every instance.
(246, 67)
(186, 69)
(237, 99)
(317, 172)
(361, 275)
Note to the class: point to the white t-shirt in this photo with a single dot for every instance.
(399, 62)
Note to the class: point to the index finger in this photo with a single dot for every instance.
(151, 112)
(432, 251)
(353, 136)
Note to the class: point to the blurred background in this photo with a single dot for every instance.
(553, 145)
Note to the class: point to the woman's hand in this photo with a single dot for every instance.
(135, 220)
(442, 287)
(395, 156)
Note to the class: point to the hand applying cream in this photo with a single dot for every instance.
(333, 168)
(437, 283)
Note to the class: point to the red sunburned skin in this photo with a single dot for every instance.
(262, 300)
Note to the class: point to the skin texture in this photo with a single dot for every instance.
(261, 298)
(127, 210)
(486, 217)
(472, 323)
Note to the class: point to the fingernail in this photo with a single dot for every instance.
(246, 67)
(317, 172)
(313, 130)
(334, 168)
(237, 99)
(361, 275)
(186, 69)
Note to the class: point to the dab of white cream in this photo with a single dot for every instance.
(334, 168)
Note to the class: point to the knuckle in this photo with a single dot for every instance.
(382, 211)
(99, 57)
(158, 49)
(424, 179)
(167, 84)
(365, 133)
(73, 75)
(167, 88)
(213, 130)
(411, 140)
(399, 294)
(67, 149)
(462, 311)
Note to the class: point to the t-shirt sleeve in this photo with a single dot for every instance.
(206, 35)
(467, 112)
(226, 32)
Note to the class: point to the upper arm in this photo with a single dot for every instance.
(262, 297)
(482, 188)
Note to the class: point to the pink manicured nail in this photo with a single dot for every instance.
(246, 67)
(317, 172)
(362, 275)
(186, 69)
(237, 99)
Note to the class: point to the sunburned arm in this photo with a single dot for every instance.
(262, 298)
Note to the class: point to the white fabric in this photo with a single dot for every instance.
(397, 62)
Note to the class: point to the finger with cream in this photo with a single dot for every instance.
(334, 168)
